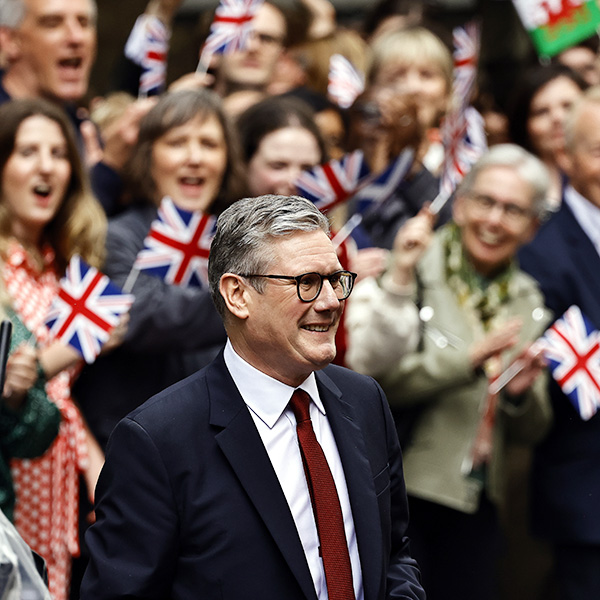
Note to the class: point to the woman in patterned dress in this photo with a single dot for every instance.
(47, 214)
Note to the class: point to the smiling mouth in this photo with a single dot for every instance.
(489, 238)
(317, 328)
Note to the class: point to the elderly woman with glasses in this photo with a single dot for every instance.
(478, 314)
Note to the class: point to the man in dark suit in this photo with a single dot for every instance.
(204, 493)
(564, 258)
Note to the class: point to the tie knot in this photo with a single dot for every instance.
(300, 403)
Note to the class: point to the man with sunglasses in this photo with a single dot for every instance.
(269, 474)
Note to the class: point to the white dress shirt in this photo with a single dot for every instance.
(586, 214)
(267, 399)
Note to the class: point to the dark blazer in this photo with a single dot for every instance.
(189, 506)
(566, 474)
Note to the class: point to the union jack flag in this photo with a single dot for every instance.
(572, 348)
(148, 46)
(463, 132)
(380, 187)
(466, 56)
(86, 309)
(345, 82)
(177, 246)
(334, 182)
(463, 136)
(230, 28)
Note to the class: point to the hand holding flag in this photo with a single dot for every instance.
(87, 308)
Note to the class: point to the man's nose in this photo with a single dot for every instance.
(327, 299)
(75, 31)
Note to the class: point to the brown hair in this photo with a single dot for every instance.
(172, 110)
(79, 226)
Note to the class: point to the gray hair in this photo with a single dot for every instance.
(530, 168)
(245, 231)
(12, 12)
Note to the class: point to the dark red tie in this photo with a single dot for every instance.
(325, 502)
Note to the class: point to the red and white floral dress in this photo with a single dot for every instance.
(47, 488)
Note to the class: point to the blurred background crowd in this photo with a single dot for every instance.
(453, 287)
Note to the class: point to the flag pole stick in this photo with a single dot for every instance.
(439, 202)
(130, 281)
(511, 372)
(342, 235)
(203, 64)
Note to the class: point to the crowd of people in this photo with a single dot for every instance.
(500, 479)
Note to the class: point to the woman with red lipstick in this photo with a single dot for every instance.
(47, 214)
(186, 151)
(536, 120)
(479, 313)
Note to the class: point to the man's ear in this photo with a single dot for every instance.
(233, 289)
(10, 42)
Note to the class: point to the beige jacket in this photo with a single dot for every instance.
(439, 376)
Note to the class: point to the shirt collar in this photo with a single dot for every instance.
(265, 396)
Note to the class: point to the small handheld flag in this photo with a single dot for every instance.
(148, 46)
(572, 347)
(558, 24)
(345, 82)
(86, 309)
(464, 139)
(177, 246)
(463, 132)
(230, 28)
(334, 182)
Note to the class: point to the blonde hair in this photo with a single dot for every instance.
(413, 45)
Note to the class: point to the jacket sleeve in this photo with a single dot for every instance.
(29, 432)
(382, 324)
(133, 544)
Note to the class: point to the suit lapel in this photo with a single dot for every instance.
(359, 479)
(582, 251)
(242, 446)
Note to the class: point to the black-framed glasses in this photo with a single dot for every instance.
(309, 285)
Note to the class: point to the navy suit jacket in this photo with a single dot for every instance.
(566, 473)
(189, 506)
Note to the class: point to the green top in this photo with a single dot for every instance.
(28, 432)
